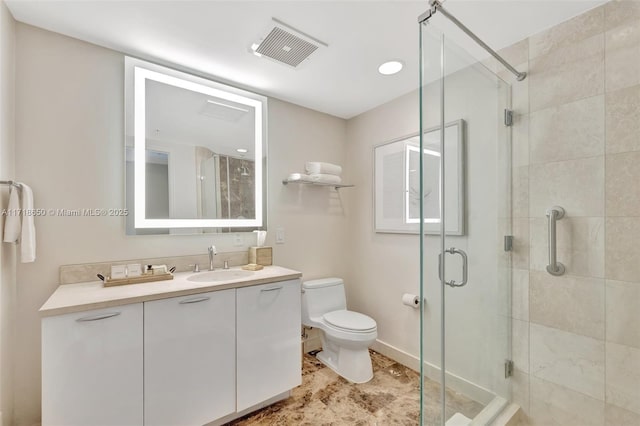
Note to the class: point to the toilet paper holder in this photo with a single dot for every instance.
(411, 300)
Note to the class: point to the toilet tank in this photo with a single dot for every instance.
(322, 296)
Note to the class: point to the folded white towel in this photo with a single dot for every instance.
(325, 178)
(13, 222)
(28, 235)
(318, 167)
(299, 177)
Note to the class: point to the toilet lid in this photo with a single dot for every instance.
(350, 320)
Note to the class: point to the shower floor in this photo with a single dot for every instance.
(391, 397)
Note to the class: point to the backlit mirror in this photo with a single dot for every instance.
(194, 153)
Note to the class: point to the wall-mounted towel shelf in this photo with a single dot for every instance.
(306, 182)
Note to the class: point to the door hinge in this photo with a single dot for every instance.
(508, 117)
(508, 243)
(508, 368)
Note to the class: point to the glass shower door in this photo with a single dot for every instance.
(466, 220)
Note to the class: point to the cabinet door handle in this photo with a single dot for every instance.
(98, 316)
(271, 289)
(194, 300)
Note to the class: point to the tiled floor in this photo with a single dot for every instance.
(392, 397)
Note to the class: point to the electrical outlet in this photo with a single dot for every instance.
(279, 235)
(237, 240)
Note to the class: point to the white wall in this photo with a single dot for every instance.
(182, 178)
(70, 149)
(314, 218)
(387, 265)
(7, 262)
(384, 265)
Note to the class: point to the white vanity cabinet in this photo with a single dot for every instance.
(268, 341)
(189, 359)
(178, 352)
(92, 367)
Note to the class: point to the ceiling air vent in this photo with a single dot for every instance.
(285, 44)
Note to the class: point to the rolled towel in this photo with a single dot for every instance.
(299, 177)
(325, 178)
(317, 167)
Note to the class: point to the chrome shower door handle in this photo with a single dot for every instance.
(465, 267)
(554, 267)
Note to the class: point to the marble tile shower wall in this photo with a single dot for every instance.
(576, 144)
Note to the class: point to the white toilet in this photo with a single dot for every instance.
(346, 335)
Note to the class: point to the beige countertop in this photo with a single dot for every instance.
(92, 295)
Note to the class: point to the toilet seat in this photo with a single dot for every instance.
(350, 321)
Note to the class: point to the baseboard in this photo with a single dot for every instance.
(458, 384)
(237, 415)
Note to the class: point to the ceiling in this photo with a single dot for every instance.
(213, 38)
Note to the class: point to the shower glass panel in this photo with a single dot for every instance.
(466, 321)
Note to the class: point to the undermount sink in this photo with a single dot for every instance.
(221, 275)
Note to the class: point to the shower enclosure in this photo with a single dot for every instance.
(465, 177)
(225, 186)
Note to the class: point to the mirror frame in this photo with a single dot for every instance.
(403, 224)
(137, 72)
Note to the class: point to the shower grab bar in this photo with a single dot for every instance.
(554, 267)
(465, 267)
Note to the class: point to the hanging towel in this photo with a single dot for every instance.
(28, 235)
(317, 167)
(325, 178)
(12, 223)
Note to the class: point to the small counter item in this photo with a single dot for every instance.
(119, 271)
(143, 278)
(261, 255)
(252, 267)
(157, 269)
(134, 270)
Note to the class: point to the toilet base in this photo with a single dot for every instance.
(353, 365)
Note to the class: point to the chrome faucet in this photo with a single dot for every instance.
(212, 252)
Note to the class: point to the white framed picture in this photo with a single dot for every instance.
(397, 182)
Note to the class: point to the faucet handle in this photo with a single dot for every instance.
(196, 267)
(212, 250)
(226, 264)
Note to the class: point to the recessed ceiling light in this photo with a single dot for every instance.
(390, 68)
(242, 150)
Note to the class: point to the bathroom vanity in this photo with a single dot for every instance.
(195, 350)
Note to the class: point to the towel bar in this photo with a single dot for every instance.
(10, 182)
